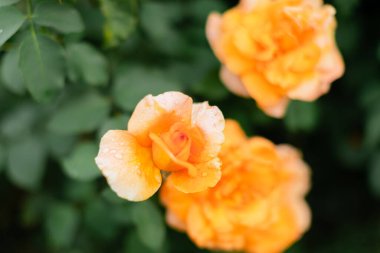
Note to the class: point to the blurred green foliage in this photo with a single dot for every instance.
(72, 69)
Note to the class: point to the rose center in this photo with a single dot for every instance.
(171, 150)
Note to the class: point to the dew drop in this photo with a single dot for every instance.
(1, 31)
(204, 174)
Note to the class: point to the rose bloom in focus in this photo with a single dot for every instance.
(166, 133)
(258, 205)
(276, 50)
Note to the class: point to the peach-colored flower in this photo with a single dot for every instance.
(276, 50)
(258, 205)
(169, 133)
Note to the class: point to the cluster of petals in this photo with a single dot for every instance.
(276, 50)
(167, 133)
(258, 205)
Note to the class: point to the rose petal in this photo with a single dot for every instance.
(233, 135)
(248, 5)
(309, 91)
(208, 175)
(177, 202)
(297, 168)
(278, 110)
(331, 66)
(158, 113)
(199, 228)
(174, 221)
(210, 122)
(263, 92)
(213, 26)
(302, 213)
(128, 166)
(280, 233)
(233, 82)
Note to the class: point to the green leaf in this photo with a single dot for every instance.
(11, 19)
(80, 191)
(80, 114)
(117, 122)
(149, 224)
(133, 244)
(100, 221)
(42, 64)
(60, 145)
(26, 162)
(62, 17)
(86, 64)
(19, 122)
(80, 165)
(122, 213)
(201, 9)
(370, 95)
(2, 156)
(111, 196)
(158, 20)
(374, 174)
(33, 209)
(61, 224)
(119, 22)
(132, 83)
(372, 128)
(11, 73)
(8, 2)
(346, 7)
(211, 87)
(301, 116)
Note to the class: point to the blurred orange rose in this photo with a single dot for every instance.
(276, 50)
(258, 205)
(167, 132)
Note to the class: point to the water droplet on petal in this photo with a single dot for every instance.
(204, 174)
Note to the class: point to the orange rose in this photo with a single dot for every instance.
(276, 50)
(258, 205)
(167, 132)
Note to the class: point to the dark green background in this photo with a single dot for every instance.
(87, 63)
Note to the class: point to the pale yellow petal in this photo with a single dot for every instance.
(249, 5)
(213, 33)
(157, 113)
(207, 176)
(210, 122)
(127, 166)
